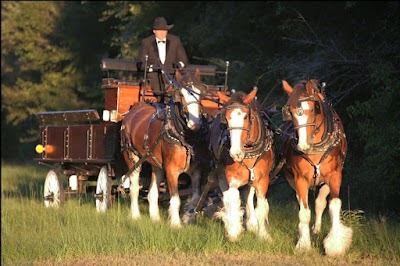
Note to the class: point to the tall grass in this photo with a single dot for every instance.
(31, 232)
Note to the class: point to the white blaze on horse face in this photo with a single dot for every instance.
(193, 107)
(302, 131)
(236, 121)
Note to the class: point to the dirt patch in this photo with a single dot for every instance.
(181, 259)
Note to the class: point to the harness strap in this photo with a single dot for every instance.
(144, 158)
(317, 172)
(251, 170)
(277, 169)
(149, 151)
(210, 181)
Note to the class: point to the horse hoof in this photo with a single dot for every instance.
(337, 243)
(155, 219)
(266, 237)
(303, 246)
(232, 238)
(189, 218)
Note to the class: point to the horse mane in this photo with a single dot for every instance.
(190, 78)
(237, 97)
(300, 89)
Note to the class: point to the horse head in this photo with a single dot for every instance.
(236, 113)
(190, 91)
(304, 108)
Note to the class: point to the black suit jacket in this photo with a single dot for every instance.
(175, 53)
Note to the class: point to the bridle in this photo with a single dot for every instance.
(233, 107)
(287, 115)
(190, 87)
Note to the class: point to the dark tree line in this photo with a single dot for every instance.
(51, 53)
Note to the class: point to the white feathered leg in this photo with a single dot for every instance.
(262, 211)
(251, 223)
(304, 242)
(340, 236)
(134, 191)
(233, 217)
(173, 211)
(320, 205)
(152, 197)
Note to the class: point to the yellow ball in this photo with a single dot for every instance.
(39, 148)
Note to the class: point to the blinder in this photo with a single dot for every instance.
(223, 117)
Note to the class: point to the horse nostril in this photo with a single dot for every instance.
(303, 147)
(193, 126)
(237, 156)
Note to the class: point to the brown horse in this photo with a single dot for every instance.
(315, 152)
(242, 150)
(171, 138)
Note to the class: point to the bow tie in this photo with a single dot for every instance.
(161, 41)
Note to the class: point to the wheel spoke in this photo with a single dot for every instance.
(103, 190)
(52, 190)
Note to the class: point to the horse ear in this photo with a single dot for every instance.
(178, 75)
(249, 97)
(223, 97)
(287, 87)
(197, 73)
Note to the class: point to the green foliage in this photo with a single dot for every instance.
(50, 56)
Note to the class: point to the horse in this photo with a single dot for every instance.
(241, 146)
(170, 137)
(314, 152)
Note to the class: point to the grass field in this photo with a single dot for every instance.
(76, 234)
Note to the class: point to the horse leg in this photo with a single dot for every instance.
(134, 189)
(320, 205)
(190, 215)
(152, 197)
(262, 211)
(304, 242)
(339, 237)
(251, 218)
(233, 215)
(175, 201)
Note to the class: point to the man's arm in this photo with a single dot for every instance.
(181, 54)
(142, 56)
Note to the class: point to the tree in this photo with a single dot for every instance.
(49, 62)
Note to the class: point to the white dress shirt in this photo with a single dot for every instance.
(162, 47)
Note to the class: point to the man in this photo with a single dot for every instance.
(162, 49)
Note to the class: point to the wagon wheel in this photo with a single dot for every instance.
(103, 190)
(53, 191)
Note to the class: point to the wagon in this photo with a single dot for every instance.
(83, 146)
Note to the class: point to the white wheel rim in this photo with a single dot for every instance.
(52, 191)
(103, 190)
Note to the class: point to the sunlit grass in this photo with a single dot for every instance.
(32, 232)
